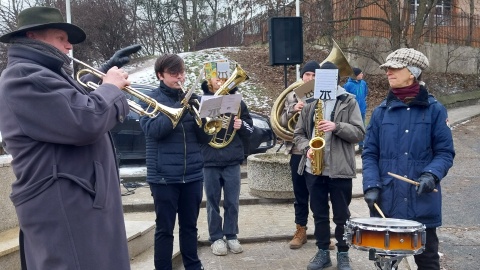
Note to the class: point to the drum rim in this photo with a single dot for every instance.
(412, 227)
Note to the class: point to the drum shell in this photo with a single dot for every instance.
(387, 236)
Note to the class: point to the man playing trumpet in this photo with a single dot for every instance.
(340, 122)
(174, 167)
(67, 192)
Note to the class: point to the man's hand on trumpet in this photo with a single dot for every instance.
(117, 77)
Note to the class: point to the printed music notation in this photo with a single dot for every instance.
(326, 82)
(212, 106)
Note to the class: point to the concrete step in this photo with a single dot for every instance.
(9, 249)
(140, 235)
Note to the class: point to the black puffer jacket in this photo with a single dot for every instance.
(233, 153)
(173, 154)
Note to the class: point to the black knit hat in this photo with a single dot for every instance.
(309, 66)
(357, 71)
(330, 65)
(36, 18)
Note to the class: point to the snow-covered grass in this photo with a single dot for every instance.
(142, 72)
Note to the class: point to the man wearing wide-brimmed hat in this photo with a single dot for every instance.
(408, 135)
(66, 195)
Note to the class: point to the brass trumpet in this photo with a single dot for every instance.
(153, 107)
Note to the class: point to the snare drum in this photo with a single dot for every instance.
(388, 236)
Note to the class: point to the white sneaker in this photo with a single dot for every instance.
(219, 247)
(234, 246)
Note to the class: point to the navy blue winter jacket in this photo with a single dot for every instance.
(233, 153)
(408, 139)
(173, 154)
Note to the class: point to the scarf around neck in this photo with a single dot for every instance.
(410, 91)
(47, 49)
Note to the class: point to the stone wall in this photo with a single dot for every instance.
(442, 57)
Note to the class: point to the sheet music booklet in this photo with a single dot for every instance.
(212, 106)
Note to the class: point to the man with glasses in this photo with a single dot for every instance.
(174, 168)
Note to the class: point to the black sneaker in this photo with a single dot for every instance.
(320, 261)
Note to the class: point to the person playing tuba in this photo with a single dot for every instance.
(291, 110)
(340, 123)
(222, 166)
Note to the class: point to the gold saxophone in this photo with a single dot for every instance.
(317, 143)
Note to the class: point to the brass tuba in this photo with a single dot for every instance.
(153, 107)
(215, 125)
(336, 57)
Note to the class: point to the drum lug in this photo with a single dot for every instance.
(415, 239)
(358, 236)
(387, 240)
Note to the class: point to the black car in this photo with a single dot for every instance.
(130, 141)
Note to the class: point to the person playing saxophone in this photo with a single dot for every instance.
(339, 123)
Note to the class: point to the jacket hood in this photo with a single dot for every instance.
(206, 91)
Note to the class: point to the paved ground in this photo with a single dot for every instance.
(266, 226)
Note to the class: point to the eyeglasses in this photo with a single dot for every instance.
(175, 74)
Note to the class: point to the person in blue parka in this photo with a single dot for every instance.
(408, 135)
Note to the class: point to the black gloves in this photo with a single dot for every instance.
(427, 182)
(371, 197)
(121, 57)
(194, 100)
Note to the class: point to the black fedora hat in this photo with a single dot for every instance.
(36, 18)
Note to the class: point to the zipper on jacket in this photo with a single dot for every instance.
(184, 153)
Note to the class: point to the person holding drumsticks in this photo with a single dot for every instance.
(408, 134)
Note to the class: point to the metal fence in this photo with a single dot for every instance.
(459, 29)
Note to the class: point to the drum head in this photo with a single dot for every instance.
(383, 224)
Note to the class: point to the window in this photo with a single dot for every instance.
(442, 12)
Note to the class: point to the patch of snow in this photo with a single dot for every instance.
(143, 73)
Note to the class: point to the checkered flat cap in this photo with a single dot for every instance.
(404, 57)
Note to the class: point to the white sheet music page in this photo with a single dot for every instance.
(326, 81)
(212, 106)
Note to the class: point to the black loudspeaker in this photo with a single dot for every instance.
(285, 40)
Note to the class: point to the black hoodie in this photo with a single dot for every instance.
(233, 153)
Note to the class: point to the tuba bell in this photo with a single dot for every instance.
(336, 57)
(222, 123)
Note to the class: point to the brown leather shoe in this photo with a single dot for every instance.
(299, 238)
(331, 246)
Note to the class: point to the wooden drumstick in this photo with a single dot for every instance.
(379, 210)
(407, 180)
